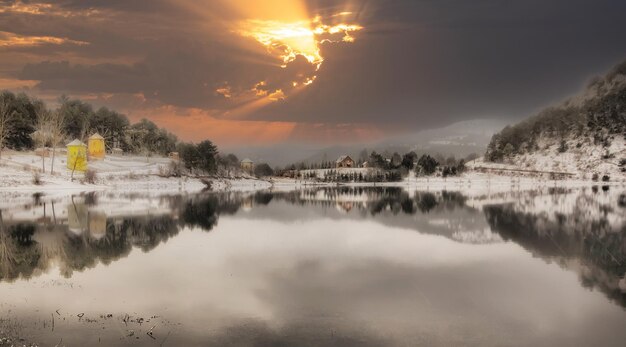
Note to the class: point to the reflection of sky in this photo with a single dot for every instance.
(439, 221)
(332, 280)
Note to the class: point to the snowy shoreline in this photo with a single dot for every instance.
(141, 175)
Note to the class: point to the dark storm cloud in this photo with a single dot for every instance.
(427, 63)
(416, 64)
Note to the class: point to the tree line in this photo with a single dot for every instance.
(27, 123)
(596, 120)
(383, 167)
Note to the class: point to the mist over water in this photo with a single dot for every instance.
(321, 267)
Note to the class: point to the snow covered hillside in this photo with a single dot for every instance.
(584, 136)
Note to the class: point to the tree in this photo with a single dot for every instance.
(56, 131)
(408, 160)
(377, 160)
(396, 160)
(228, 163)
(146, 137)
(460, 167)
(7, 116)
(263, 170)
(23, 123)
(77, 115)
(427, 164)
(563, 146)
(508, 150)
(232, 160)
(189, 155)
(111, 125)
(207, 156)
(41, 136)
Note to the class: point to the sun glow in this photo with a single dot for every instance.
(288, 40)
(294, 39)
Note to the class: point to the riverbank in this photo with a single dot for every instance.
(21, 175)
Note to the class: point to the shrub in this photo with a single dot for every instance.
(264, 170)
(37, 178)
(606, 178)
(173, 169)
(563, 146)
(594, 177)
(90, 176)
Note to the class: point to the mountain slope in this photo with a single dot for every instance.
(585, 135)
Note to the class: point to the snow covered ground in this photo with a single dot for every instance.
(582, 159)
(134, 174)
(141, 175)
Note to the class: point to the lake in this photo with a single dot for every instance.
(320, 267)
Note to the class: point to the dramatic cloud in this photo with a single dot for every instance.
(353, 68)
(8, 40)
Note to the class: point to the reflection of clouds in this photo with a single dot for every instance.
(258, 333)
(477, 236)
(297, 273)
(581, 230)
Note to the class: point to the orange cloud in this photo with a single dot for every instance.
(16, 84)
(8, 39)
(37, 9)
(197, 125)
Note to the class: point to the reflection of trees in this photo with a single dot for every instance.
(379, 199)
(88, 237)
(201, 213)
(26, 248)
(589, 245)
(18, 255)
(123, 234)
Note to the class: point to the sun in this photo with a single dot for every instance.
(287, 40)
(293, 37)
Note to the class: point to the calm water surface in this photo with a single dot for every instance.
(327, 267)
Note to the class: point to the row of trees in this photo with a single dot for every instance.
(26, 122)
(385, 168)
(598, 119)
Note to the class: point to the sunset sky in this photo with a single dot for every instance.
(258, 72)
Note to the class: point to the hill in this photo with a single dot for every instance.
(584, 135)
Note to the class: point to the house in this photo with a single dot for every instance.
(247, 165)
(76, 156)
(95, 147)
(344, 161)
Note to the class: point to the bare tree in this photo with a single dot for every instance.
(41, 136)
(56, 126)
(7, 115)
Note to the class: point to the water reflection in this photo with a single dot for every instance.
(583, 231)
(91, 229)
(346, 266)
